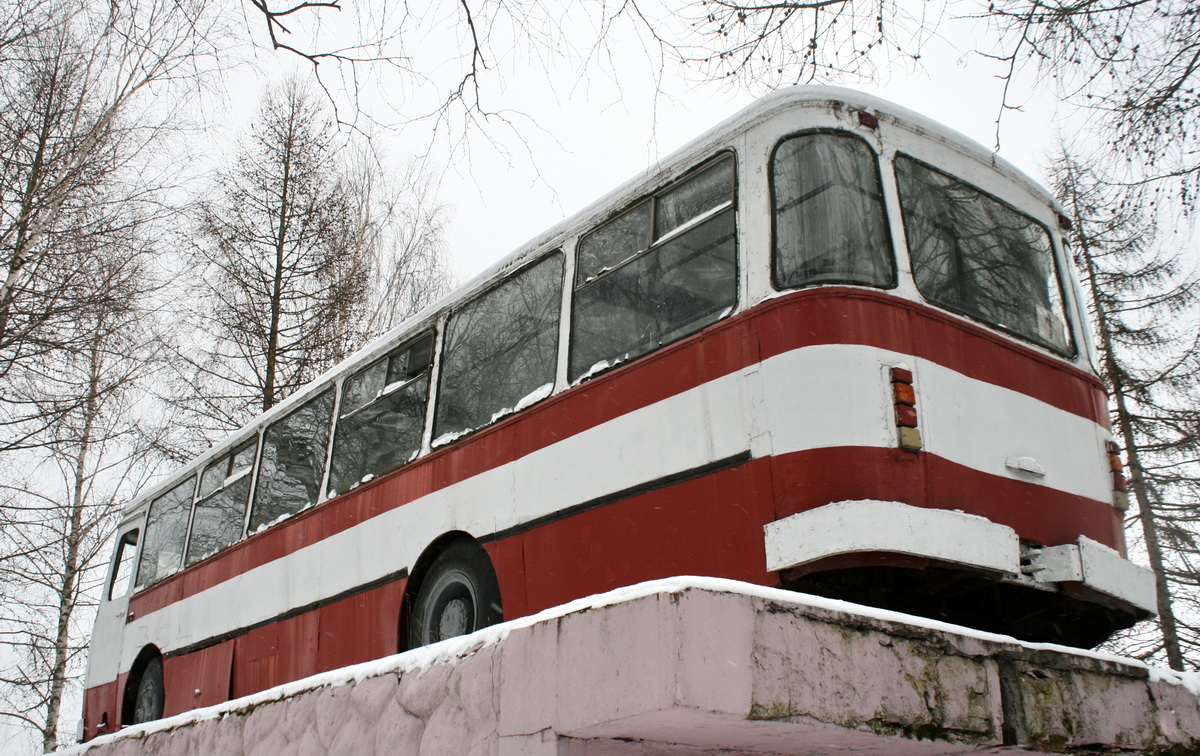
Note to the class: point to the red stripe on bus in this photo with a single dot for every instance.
(809, 318)
(709, 525)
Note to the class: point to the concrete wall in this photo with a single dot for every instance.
(684, 666)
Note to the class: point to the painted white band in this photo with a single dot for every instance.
(846, 527)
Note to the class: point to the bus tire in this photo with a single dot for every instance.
(148, 700)
(458, 595)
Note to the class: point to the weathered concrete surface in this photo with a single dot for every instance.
(701, 668)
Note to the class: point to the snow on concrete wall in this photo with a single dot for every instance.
(685, 665)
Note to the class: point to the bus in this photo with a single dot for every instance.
(830, 345)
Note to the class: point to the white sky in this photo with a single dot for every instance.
(572, 137)
(590, 140)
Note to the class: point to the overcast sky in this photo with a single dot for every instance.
(574, 129)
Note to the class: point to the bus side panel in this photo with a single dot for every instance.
(1038, 513)
(360, 628)
(255, 660)
(508, 560)
(200, 678)
(275, 654)
(711, 525)
(102, 704)
(298, 645)
(815, 477)
(834, 316)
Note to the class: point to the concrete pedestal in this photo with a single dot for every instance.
(687, 666)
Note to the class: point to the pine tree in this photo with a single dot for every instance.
(1143, 307)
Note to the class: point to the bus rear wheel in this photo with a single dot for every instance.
(458, 595)
(148, 701)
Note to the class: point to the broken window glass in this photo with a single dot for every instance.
(292, 462)
(677, 287)
(500, 350)
(221, 509)
(973, 254)
(830, 225)
(381, 416)
(166, 533)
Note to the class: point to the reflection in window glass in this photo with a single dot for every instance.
(976, 255)
(221, 510)
(830, 225)
(671, 291)
(676, 287)
(613, 243)
(166, 531)
(707, 190)
(500, 350)
(292, 463)
(123, 565)
(381, 416)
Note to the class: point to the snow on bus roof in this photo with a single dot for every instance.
(445, 651)
(548, 240)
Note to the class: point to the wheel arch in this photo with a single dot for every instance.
(133, 679)
(420, 570)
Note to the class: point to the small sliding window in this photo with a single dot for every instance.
(662, 270)
(381, 416)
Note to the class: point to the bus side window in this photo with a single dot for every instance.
(500, 351)
(660, 271)
(221, 503)
(122, 571)
(381, 416)
(292, 462)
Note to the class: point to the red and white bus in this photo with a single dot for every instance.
(829, 345)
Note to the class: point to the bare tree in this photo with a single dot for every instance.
(296, 251)
(1143, 305)
(59, 519)
(403, 229)
(72, 137)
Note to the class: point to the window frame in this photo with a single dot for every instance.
(889, 240)
(430, 333)
(321, 481)
(194, 477)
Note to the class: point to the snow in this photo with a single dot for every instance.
(463, 646)
(600, 367)
(447, 438)
(276, 521)
(533, 397)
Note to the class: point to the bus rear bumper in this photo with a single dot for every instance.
(955, 538)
